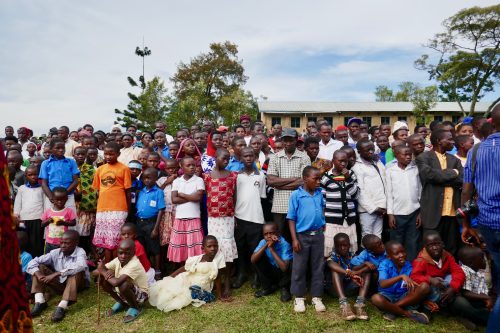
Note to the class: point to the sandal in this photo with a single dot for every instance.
(117, 307)
(132, 315)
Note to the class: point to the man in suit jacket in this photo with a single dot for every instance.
(442, 177)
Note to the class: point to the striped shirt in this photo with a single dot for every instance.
(486, 180)
(340, 195)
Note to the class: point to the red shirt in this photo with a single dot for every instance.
(141, 255)
(424, 268)
(220, 192)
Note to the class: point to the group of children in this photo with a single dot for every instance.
(203, 214)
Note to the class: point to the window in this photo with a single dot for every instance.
(454, 119)
(346, 120)
(275, 120)
(438, 118)
(312, 119)
(385, 120)
(368, 120)
(295, 122)
(329, 120)
(403, 118)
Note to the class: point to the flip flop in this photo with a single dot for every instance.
(117, 307)
(132, 315)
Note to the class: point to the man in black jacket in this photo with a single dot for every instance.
(442, 177)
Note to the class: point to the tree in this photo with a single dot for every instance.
(468, 51)
(144, 110)
(383, 94)
(422, 98)
(210, 87)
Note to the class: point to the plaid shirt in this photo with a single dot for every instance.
(474, 281)
(283, 167)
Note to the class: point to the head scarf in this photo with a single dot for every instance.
(180, 153)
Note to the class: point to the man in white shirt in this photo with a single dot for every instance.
(63, 270)
(403, 201)
(327, 145)
(69, 144)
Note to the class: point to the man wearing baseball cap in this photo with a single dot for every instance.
(285, 175)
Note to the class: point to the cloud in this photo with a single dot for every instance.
(67, 62)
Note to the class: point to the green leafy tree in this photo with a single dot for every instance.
(151, 105)
(210, 87)
(468, 56)
(383, 94)
(422, 98)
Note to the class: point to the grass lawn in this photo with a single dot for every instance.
(244, 314)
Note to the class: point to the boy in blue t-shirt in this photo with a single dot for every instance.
(306, 221)
(271, 260)
(150, 207)
(397, 293)
(371, 256)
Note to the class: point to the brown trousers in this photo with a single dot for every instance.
(69, 288)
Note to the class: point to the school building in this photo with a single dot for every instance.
(297, 114)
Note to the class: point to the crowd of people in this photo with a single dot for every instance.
(380, 213)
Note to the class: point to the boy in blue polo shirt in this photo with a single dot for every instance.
(397, 293)
(306, 221)
(59, 171)
(271, 260)
(150, 207)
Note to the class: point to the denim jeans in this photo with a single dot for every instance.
(492, 239)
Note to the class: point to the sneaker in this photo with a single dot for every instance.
(318, 304)
(418, 317)
(360, 309)
(389, 316)
(347, 313)
(299, 305)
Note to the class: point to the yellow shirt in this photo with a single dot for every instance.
(448, 209)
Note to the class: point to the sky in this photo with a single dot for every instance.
(66, 62)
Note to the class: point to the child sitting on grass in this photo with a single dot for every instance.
(57, 219)
(272, 263)
(195, 278)
(439, 269)
(129, 231)
(307, 223)
(474, 304)
(125, 280)
(347, 280)
(397, 292)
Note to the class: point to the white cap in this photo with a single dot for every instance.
(399, 125)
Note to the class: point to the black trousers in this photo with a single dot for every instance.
(144, 229)
(448, 229)
(270, 275)
(247, 236)
(35, 236)
(280, 220)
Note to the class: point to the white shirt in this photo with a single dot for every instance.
(169, 138)
(29, 203)
(128, 154)
(372, 186)
(188, 210)
(326, 151)
(69, 145)
(249, 190)
(403, 189)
